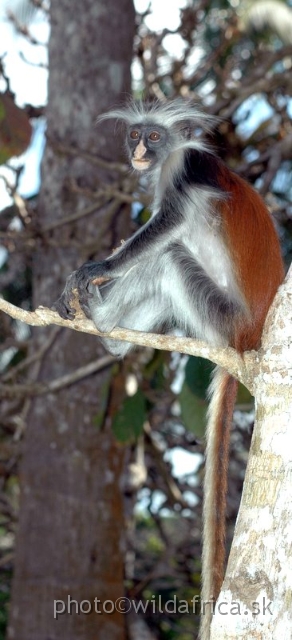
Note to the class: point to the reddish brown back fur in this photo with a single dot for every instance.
(254, 247)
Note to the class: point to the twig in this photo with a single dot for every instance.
(173, 491)
(3, 74)
(41, 4)
(112, 191)
(102, 198)
(34, 357)
(23, 29)
(39, 65)
(75, 216)
(81, 153)
(38, 389)
(238, 94)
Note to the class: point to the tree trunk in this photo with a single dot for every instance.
(70, 535)
(255, 600)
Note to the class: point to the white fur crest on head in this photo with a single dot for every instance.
(165, 114)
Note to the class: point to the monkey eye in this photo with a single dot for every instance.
(134, 135)
(154, 136)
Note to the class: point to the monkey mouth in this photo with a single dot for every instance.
(141, 164)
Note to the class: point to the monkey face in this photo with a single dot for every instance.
(147, 146)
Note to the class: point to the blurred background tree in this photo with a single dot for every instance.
(101, 462)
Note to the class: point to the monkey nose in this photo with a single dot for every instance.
(140, 151)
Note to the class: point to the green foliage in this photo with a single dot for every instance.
(154, 372)
(154, 544)
(244, 396)
(128, 423)
(193, 411)
(193, 394)
(143, 215)
(197, 375)
(103, 399)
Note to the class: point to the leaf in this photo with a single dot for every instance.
(192, 397)
(193, 411)
(15, 129)
(154, 370)
(103, 402)
(128, 423)
(197, 375)
(244, 396)
(144, 215)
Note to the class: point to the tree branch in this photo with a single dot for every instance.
(38, 389)
(239, 366)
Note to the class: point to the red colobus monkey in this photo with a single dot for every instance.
(208, 261)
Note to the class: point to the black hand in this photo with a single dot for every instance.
(80, 280)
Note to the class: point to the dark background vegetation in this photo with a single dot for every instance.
(86, 480)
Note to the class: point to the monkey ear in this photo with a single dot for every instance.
(185, 129)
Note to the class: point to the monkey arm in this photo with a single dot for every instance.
(148, 241)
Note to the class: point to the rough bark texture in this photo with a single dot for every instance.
(255, 600)
(70, 536)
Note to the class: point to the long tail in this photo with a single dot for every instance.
(223, 390)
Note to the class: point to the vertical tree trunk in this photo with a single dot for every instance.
(70, 536)
(255, 600)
